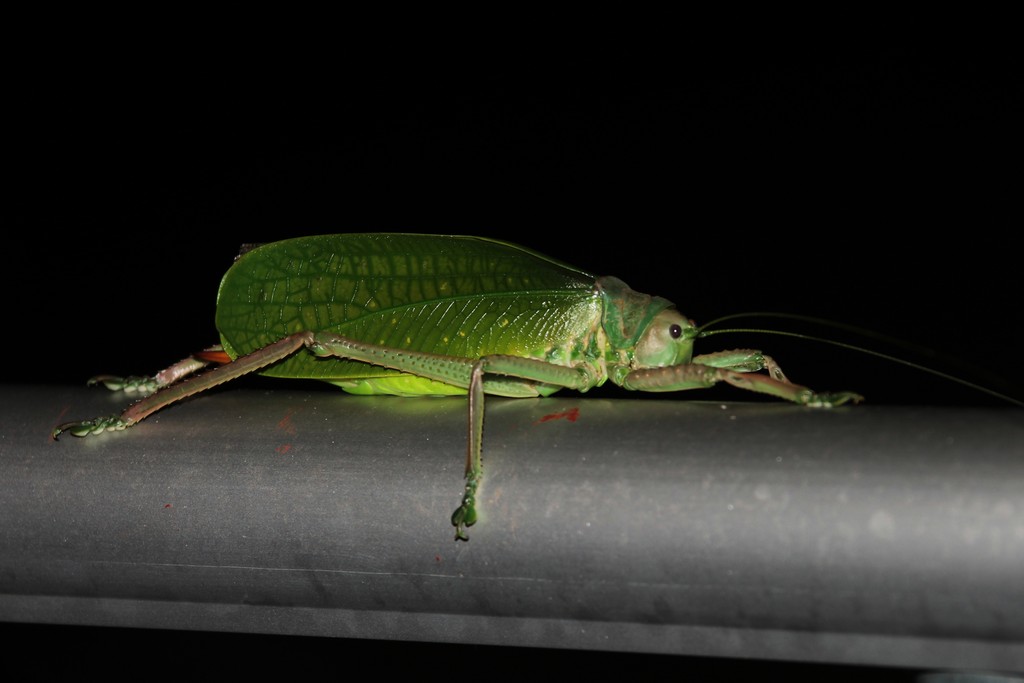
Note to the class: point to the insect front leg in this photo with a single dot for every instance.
(743, 360)
(741, 374)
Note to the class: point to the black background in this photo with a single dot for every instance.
(877, 188)
(874, 188)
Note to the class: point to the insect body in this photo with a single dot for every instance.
(415, 315)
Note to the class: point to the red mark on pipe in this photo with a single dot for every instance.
(286, 425)
(571, 415)
(168, 505)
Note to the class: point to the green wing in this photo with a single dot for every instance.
(458, 296)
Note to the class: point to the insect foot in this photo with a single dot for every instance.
(111, 423)
(465, 515)
(829, 399)
(130, 384)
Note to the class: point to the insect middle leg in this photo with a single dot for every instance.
(518, 377)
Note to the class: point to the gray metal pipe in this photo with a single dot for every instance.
(873, 535)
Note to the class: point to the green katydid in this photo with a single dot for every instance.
(415, 315)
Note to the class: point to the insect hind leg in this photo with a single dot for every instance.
(140, 384)
(179, 390)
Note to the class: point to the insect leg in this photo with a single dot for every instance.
(469, 374)
(579, 378)
(742, 360)
(175, 392)
(167, 376)
(700, 376)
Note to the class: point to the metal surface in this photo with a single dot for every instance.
(882, 535)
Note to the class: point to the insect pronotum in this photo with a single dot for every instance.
(415, 315)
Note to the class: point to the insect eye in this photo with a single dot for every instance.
(676, 331)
